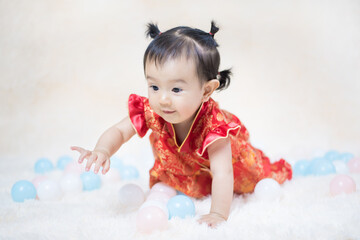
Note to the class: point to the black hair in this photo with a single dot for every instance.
(192, 43)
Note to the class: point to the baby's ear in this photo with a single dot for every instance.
(209, 88)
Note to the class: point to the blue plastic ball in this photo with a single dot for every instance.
(180, 193)
(116, 162)
(345, 157)
(22, 190)
(128, 172)
(181, 206)
(322, 167)
(331, 155)
(63, 161)
(301, 168)
(43, 165)
(90, 180)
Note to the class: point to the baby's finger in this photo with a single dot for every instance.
(90, 161)
(202, 220)
(98, 163)
(76, 148)
(84, 154)
(106, 166)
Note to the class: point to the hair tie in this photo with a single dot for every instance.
(211, 33)
(160, 33)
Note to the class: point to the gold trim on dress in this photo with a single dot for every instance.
(187, 136)
(174, 137)
(227, 134)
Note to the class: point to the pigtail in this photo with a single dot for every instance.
(152, 30)
(214, 29)
(224, 79)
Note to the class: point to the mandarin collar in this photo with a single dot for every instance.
(185, 144)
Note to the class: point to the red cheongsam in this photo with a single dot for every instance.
(187, 167)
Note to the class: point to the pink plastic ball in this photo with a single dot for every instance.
(342, 184)
(162, 187)
(74, 168)
(151, 219)
(158, 196)
(354, 165)
(113, 175)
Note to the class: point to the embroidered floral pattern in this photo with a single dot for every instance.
(187, 168)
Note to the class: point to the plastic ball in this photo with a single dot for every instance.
(322, 167)
(113, 175)
(317, 159)
(63, 161)
(158, 204)
(128, 172)
(268, 189)
(23, 190)
(164, 188)
(158, 196)
(180, 193)
(331, 155)
(90, 180)
(340, 166)
(346, 157)
(151, 219)
(38, 179)
(74, 168)
(43, 165)
(301, 168)
(116, 162)
(71, 183)
(354, 165)
(131, 196)
(342, 184)
(49, 190)
(181, 206)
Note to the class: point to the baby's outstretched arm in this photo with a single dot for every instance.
(109, 142)
(222, 183)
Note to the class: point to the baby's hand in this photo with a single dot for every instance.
(100, 158)
(212, 219)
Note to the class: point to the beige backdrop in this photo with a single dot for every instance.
(67, 68)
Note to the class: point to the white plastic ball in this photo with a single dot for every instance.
(268, 189)
(38, 179)
(71, 183)
(131, 196)
(341, 167)
(49, 190)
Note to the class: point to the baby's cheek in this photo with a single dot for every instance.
(152, 105)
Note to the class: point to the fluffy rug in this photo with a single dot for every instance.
(305, 211)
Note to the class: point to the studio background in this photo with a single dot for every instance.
(68, 67)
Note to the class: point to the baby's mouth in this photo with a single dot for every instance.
(167, 111)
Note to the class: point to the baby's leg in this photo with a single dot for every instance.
(251, 165)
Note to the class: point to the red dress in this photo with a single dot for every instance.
(187, 167)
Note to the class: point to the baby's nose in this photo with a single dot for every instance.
(165, 99)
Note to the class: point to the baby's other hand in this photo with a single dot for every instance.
(99, 158)
(212, 219)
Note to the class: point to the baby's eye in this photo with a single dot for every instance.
(176, 90)
(155, 88)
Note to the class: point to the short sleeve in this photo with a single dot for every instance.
(222, 131)
(137, 114)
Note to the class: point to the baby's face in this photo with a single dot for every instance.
(175, 90)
